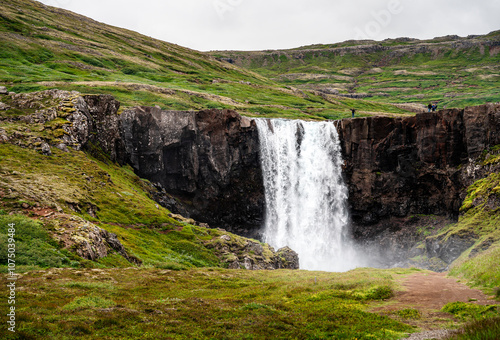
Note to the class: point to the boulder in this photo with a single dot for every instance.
(287, 258)
(3, 136)
(241, 253)
(62, 147)
(86, 239)
(46, 149)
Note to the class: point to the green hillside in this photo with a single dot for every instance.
(45, 47)
(453, 71)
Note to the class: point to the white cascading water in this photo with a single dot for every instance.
(305, 193)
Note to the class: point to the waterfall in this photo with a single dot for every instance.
(305, 192)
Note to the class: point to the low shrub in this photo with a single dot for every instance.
(472, 311)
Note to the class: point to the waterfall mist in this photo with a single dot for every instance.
(306, 198)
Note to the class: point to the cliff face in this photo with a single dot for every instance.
(402, 174)
(394, 168)
(397, 168)
(206, 165)
(208, 160)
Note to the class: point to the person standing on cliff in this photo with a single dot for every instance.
(429, 107)
(353, 112)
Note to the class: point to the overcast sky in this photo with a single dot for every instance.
(277, 24)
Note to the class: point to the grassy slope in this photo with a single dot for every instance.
(480, 219)
(45, 47)
(121, 199)
(454, 77)
(238, 303)
(204, 304)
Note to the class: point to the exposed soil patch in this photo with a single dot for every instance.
(428, 292)
(431, 291)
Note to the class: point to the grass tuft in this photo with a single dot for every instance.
(467, 311)
(88, 302)
(484, 329)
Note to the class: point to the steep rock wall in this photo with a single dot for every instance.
(415, 165)
(209, 160)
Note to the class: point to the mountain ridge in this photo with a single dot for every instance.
(452, 70)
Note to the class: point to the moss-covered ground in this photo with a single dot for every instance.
(182, 291)
(63, 296)
(203, 304)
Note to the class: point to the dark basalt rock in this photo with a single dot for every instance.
(97, 123)
(205, 165)
(396, 168)
(208, 160)
(450, 249)
(403, 166)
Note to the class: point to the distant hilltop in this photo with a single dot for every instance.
(455, 71)
(45, 48)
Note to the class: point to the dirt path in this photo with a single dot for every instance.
(431, 291)
(428, 292)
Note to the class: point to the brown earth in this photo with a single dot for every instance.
(431, 291)
(428, 292)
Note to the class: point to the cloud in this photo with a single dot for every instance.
(274, 24)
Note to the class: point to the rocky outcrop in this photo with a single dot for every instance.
(208, 160)
(87, 122)
(205, 165)
(86, 239)
(96, 126)
(388, 52)
(397, 167)
(241, 253)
